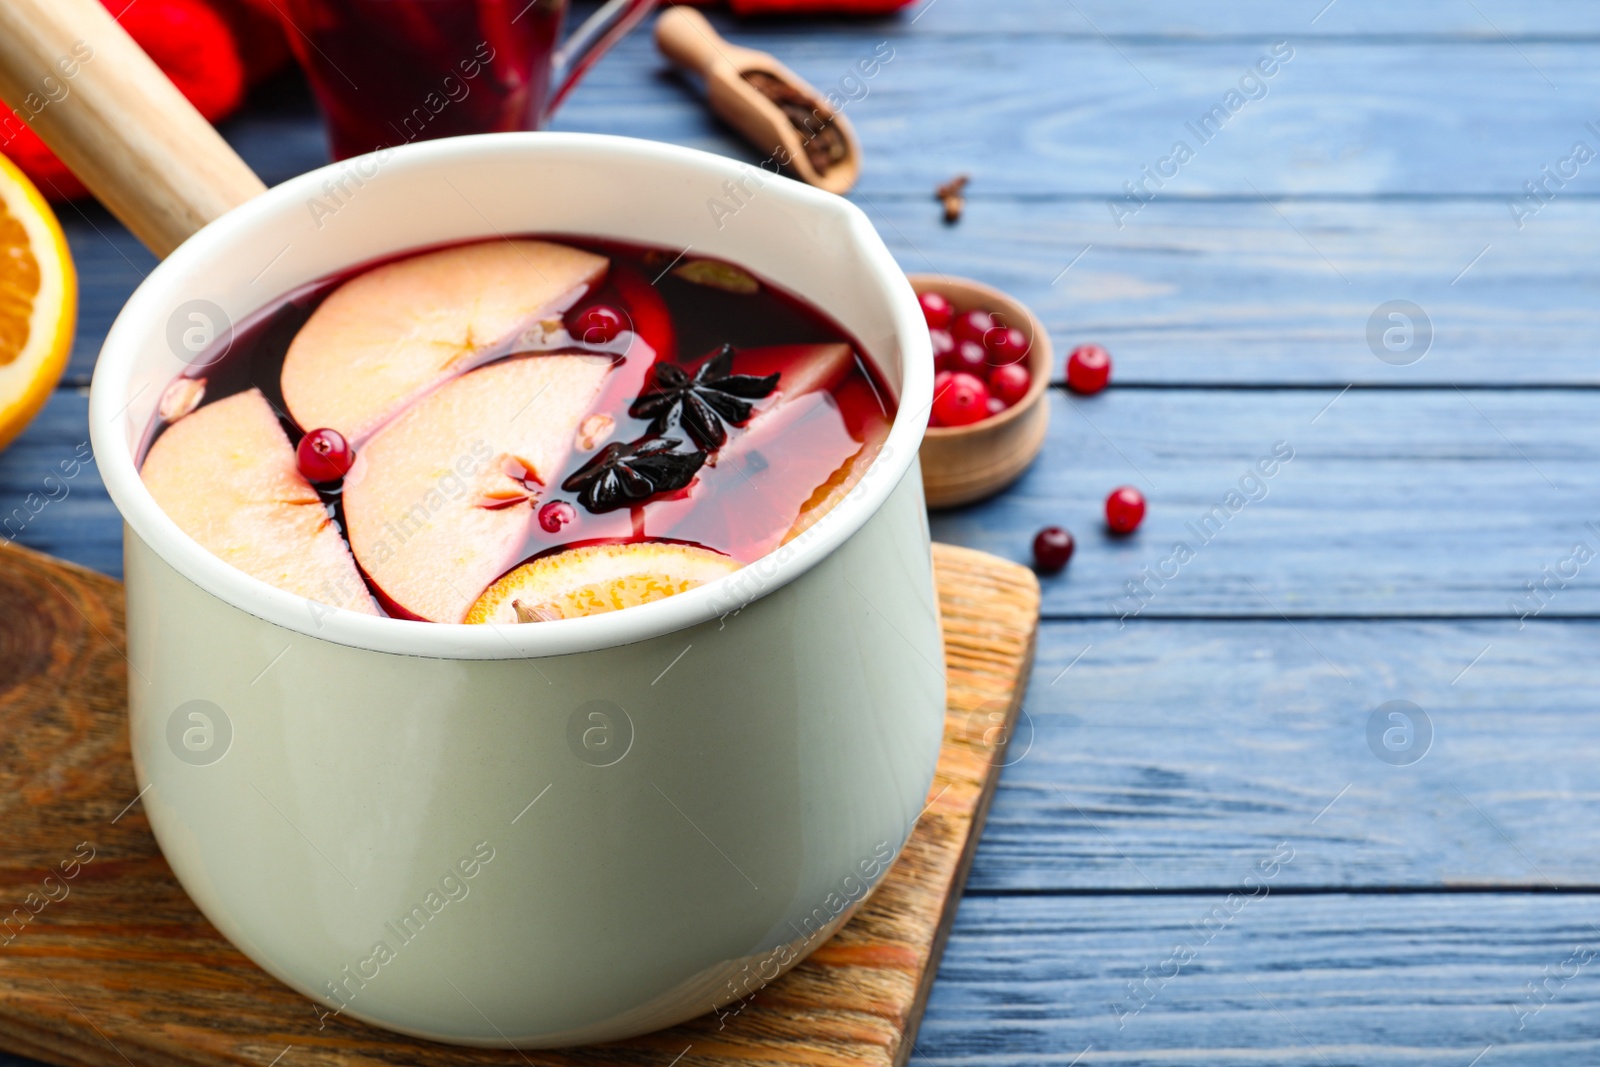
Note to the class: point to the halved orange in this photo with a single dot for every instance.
(38, 301)
(598, 578)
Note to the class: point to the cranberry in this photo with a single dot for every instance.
(943, 345)
(1124, 509)
(1007, 345)
(963, 401)
(1010, 383)
(940, 382)
(555, 515)
(996, 405)
(597, 324)
(1088, 369)
(1052, 548)
(969, 357)
(937, 310)
(324, 456)
(972, 325)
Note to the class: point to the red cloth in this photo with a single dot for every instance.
(187, 40)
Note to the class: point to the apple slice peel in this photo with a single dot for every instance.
(388, 336)
(448, 491)
(226, 475)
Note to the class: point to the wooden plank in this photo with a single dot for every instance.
(1432, 503)
(1163, 755)
(117, 944)
(1302, 981)
(1036, 115)
(1479, 91)
(1258, 294)
(110, 263)
(51, 499)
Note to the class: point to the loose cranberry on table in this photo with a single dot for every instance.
(967, 356)
(597, 324)
(963, 400)
(973, 325)
(1124, 509)
(1052, 548)
(937, 310)
(1088, 369)
(1006, 345)
(323, 456)
(1009, 383)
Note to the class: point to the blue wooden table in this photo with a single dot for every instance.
(1214, 844)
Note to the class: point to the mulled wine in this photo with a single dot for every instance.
(517, 430)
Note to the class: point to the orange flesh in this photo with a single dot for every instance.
(19, 286)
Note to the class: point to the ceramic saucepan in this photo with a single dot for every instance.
(543, 834)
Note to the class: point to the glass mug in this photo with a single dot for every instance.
(389, 72)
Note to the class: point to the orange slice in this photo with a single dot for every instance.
(38, 301)
(839, 484)
(598, 578)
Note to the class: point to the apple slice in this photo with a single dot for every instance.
(798, 438)
(598, 578)
(440, 500)
(388, 335)
(801, 369)
(226, 475)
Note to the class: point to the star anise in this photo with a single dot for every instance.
(703, 403)
(622, 475)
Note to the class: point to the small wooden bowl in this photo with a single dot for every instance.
(961, 464)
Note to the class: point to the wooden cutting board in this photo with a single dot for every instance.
(104, 962)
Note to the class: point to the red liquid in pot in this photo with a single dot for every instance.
(748, 494)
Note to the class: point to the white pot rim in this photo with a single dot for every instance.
(145, 315)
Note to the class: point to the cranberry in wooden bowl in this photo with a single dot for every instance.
(965, 461)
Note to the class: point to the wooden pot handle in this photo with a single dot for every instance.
(686, 38)
(103, 107)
